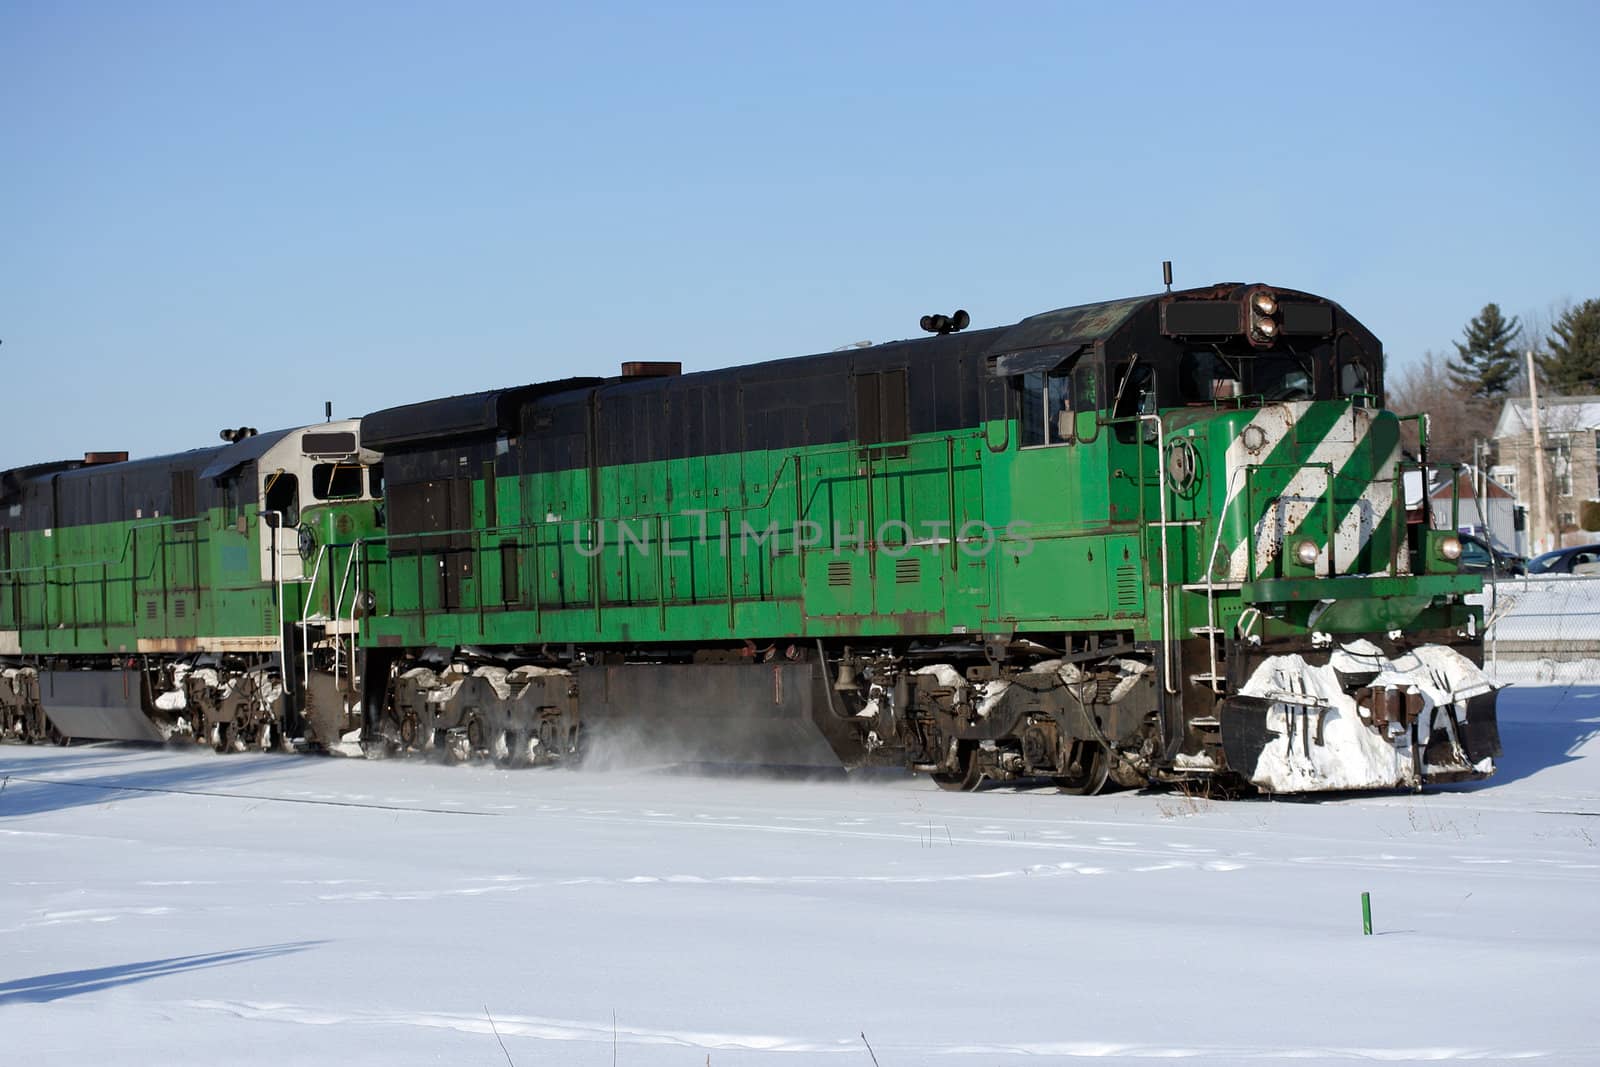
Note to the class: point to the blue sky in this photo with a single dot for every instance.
(225, 214)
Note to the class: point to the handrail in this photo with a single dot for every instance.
(335, 608)
(1250, 537)
(344, 580)
(1166, 579)
(333, 611)
(305, 609)
(1211, 568)
(127, 541)
(277, 583)
(17, 578)
(357, 546)
(397, 546)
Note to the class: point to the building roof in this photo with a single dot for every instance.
(1492, 490)
(1557, 414)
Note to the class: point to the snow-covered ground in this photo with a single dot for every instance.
(175, 907)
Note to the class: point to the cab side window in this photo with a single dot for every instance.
(283, 496)
(336, 481)
(1046, 417)
(1354, 378)
(1135, 395)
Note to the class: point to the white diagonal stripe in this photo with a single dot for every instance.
(1306, 487)
(1370, 512)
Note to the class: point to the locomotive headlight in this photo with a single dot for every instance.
(1306, 553)
(1261, 307)
(1450, 548)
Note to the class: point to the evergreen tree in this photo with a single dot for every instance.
(1487, 361)
(1572, 366)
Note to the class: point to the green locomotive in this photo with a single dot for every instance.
(1152, 539)
(161, 597)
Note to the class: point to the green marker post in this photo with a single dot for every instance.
(1366, 913)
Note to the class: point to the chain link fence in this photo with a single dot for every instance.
(1555, 618)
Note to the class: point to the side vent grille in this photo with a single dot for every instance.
(180, 609)
(839, 572)
(907, 571)
(1127, 587)
(150, 609)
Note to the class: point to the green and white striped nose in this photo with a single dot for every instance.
(1318, 474)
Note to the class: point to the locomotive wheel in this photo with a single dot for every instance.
(1094, 763)
(966, 779)
(517, 754)
(273, 737)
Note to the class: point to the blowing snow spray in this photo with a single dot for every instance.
(1366, 913)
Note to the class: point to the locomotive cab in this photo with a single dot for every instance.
(1239, 430)
(315, 485)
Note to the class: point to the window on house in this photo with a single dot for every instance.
(1507, 477)
(1561, 465)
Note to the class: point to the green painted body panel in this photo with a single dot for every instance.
(100, 589)
(757, 543)
(1426, 586)
(763, 544)
(714, 547)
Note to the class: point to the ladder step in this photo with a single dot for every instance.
(1209, 678)
(1206, 630)
(1215, 587)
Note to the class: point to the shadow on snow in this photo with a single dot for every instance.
(30, 789)
(1540, 727)
(44, 988)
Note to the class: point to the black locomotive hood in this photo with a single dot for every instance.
(1073, 326)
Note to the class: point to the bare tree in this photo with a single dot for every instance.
(1454, 418)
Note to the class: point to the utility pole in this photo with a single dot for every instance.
(1480, 487)
(1541, 509)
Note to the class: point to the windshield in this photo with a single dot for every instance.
(1580, 560)
(1283, 377)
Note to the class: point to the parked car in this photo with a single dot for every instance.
(1576, 559)
(1479, 556)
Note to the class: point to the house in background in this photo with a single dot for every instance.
(1487, 509)
(1570, 426)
